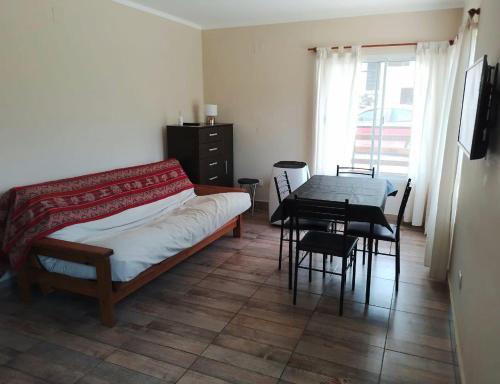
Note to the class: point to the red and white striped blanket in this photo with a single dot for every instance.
(32, 212)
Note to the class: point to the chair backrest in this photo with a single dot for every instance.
(356, 171)
(402, 207)
(282, 186)
(319, 210)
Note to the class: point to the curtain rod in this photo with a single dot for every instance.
(377, 45)
(472, 12)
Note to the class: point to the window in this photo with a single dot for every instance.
(371, 77)
(384, 116)
(366, 116)
(406, 96)
(401, 115)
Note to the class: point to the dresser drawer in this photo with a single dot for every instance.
(212, 167)
(213, 180)
(211, 134)
(211, 150)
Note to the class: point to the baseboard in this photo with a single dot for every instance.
(458, 348)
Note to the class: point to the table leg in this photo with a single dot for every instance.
(290, 251)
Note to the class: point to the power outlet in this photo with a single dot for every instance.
(261, 182)
(460, 277)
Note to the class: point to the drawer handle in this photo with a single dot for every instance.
(213, 134)
(213, 178)
(213, 149)
(213, 164)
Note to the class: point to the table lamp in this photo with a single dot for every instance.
(211, 112)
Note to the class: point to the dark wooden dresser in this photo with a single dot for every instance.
(205, 151)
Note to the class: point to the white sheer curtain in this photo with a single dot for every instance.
(435, 72)
(335, 108)
(469, 39)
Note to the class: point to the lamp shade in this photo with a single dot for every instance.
(210, 109)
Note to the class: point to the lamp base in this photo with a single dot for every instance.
(210, 120)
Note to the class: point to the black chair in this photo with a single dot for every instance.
(283, 190)
(356, 171)
(324, 243)
(381, 233)
(341, 170)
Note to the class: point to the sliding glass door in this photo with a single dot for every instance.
(384, 117)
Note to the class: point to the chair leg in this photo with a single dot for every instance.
(354, 267)
(296, 275)
(290, 256)
(281, 245)
(364, 250)
(342, 286)
(398, 266)
(254, 187)
(310, 266)
(324, 265)
(369, 270)
(376, 246)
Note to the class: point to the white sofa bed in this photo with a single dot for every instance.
(146, 235)
(112, 257)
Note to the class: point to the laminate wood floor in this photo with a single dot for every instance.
(226, 316)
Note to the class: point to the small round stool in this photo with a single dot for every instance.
(251, 185)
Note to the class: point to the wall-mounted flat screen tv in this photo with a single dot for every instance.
(477, 108)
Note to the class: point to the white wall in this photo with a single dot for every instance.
(262, 78)
(476, 251)
(88, 85)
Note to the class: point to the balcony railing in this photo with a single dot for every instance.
(394, 148)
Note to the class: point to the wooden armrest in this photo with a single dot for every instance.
(202, 190)
(70, 251)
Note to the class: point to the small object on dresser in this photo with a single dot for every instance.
(211, 113)
(180, 120)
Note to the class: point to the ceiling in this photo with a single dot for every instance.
(210, 14)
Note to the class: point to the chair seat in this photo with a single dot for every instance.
(248, 181)
(310, 225)
(327, 243)
(361, 229)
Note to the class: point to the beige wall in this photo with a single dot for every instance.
(262, 78)
(476, 250)
(87, 85)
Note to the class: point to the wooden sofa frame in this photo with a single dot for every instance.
(103, 288)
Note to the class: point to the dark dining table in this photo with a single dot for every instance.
(367, 197)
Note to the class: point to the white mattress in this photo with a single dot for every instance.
(147, 235)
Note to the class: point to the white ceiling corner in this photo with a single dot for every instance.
(155, 11)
